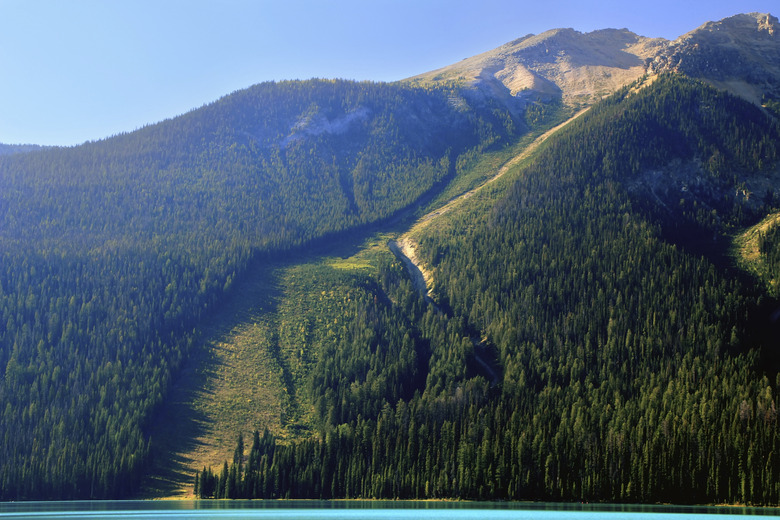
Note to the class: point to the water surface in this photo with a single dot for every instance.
(364, 510)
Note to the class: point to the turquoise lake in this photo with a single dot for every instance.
(365, 510)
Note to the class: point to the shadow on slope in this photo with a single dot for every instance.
(187, 431)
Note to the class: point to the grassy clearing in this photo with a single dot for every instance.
(747, 255)
(250, 369)
(231, 383)
(348, 264)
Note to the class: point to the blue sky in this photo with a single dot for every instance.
(78, 70)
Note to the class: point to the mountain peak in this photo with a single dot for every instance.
(749, 24)
(740, 53)
(559, 63)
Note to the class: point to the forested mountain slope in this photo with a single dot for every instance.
(632, 366)
(112, 251)
(574, 264)
(591, 339)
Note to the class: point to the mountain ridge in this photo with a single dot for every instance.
(581, 67)
(559, 63)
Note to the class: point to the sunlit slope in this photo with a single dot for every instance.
(560, 64)
(756, 249)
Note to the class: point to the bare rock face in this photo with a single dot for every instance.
(561, 63)
(740, 54)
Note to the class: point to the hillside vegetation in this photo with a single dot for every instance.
(111, 253)
(758, 250)
(634, 364)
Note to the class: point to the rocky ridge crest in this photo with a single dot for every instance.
(740, 53)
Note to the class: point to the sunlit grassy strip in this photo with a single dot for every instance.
(492, 173)
(266, 358)
(479, 168)
(230, 383)
(239, 382)
(348, 264)
(746, 253)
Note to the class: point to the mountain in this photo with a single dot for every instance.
(573, 351)
(561, 63)
(584, 331)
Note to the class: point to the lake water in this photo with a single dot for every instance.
(364, 510)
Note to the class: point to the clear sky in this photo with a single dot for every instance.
(78, 70)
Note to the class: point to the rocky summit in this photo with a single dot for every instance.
(740, 54)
